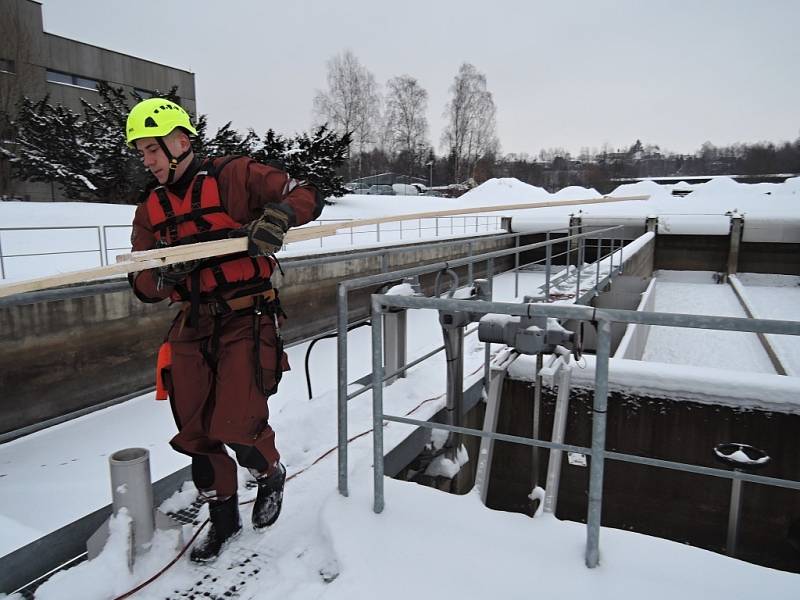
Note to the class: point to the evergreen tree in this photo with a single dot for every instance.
(89, 158)
(313, 158)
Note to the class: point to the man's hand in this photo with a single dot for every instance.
(265, 235)
(176, 272)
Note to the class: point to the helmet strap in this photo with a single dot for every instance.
(174, 161)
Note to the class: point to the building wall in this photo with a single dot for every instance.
(34, 52)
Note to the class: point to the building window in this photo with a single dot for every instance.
(70, 79)
(7, 66)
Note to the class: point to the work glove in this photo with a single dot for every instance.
(176, 273)
(265, 234)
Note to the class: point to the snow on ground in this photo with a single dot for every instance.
(733, 350)
(330, 547)
(436, 543)
(777, 297)
(776, 204)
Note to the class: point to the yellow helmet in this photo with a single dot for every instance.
(156, 117)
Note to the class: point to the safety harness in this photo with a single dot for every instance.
(217, 286)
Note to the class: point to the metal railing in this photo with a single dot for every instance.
(343, 310)
(603, 318)
(99, 243)
(101, 246)
(409, 229)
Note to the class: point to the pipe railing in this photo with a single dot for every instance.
(342, 317)
(604, 318)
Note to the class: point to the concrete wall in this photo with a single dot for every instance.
(684, 507)
(634, 340)
(67, 350)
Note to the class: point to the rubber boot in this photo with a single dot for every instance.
(267, 507)
(225, 525)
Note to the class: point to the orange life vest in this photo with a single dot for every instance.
(200, 217)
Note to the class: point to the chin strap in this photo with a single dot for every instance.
(173, 160)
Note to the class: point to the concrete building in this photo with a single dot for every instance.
(35, 63)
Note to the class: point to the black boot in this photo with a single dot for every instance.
(225, 525)
(268, 503)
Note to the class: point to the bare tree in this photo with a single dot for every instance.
(352, 101)
(406, 123)
(470, 132)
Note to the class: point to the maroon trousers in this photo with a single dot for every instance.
(216, 398)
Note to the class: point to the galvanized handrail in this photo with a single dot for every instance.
(102, 246)
(603, 318)
(343, 290)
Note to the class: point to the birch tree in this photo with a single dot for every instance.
(406, 123)
(352, 102)
(470, 132)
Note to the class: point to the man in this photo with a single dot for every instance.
(225, 345)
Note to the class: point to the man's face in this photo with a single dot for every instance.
(156, 161)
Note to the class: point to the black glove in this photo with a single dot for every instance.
(176, 272)
(265, 235)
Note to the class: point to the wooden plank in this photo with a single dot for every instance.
(150, 259)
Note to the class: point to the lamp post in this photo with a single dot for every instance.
(430, 177)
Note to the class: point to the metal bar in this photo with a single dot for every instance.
(588, 313)
(2, 266)
(581, 247)
(378, 230)
(733, 516)
(598, 444)
(516, 267)
(402, 369)
(487, 349)
(93, 250)
(548, 267)
(535, 426)
(370, 280)
(469, 265)
(502, 437)
(597, 262)
(377, 404)
(713, 472)
(100, 234)
(405, 368)
(609, 455)
(341, 393)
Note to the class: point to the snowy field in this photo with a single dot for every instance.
(433, 544)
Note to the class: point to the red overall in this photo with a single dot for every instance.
(221, 373)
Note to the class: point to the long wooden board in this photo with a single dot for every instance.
(150, 259)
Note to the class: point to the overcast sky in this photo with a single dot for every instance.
(563, 74)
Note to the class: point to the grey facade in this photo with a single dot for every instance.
(35, 63)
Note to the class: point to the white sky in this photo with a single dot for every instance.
(676, 73)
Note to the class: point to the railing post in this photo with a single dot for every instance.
(516, 266)
(378, 229)
(548, 249)
(341, 387)
(597, 262)
(469, 266)
(419, 228)
(100, 233)
(2, 266)
(377, 407)
(437, 227)
(598, 444)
